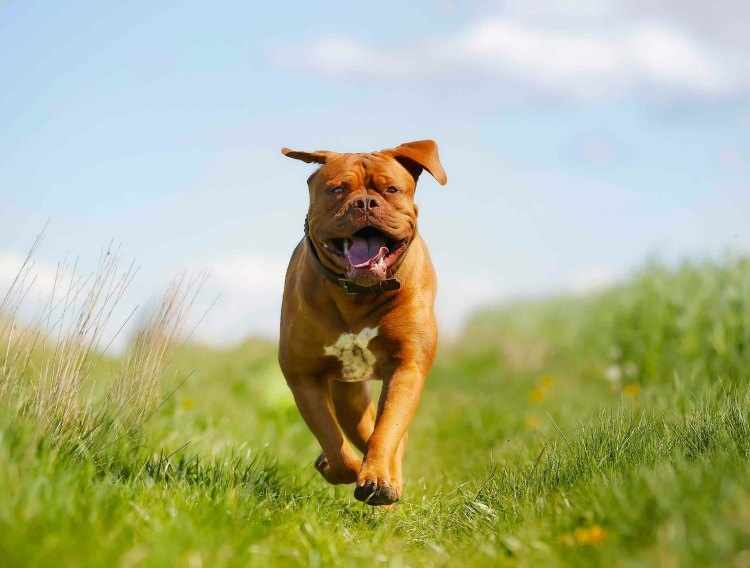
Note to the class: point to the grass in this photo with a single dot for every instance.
(607, 429)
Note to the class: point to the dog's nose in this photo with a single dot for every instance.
(365, 204)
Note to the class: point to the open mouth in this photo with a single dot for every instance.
(368, 250)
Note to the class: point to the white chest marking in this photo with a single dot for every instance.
(357, 361)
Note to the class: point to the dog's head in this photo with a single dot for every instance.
(362, 215)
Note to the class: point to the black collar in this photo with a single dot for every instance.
(348, 286)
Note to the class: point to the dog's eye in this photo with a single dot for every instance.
(392, 189)
(336, 190)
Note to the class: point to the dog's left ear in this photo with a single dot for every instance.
(419, 155)
(319, 156)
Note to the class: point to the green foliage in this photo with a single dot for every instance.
(692, 321)
(688, 321)
(607, 429)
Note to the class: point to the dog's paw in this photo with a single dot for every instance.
(374, 493)
(336, 474)
(374, 485)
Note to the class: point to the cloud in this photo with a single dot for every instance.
(592, 279)
(249, 290)
(52, 298)
(461, 293)
(37, 277)
(584, 61)
(243, 295)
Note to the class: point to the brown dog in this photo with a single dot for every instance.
(358, 305)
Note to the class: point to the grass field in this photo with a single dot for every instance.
(610, 429)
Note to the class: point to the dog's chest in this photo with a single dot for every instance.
(354, 352)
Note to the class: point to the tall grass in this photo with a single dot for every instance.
(692, 320)
(48, 366)
(137, 387)
(661, 324)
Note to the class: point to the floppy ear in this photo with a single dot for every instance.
(419, 155)
(319, 156)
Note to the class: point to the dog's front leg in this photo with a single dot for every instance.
(338, 463)
(398, 404)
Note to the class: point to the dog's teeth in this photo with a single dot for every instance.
(346, 246)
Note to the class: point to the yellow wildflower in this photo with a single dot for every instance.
(540, 390)
(589, 535)
(537, 394)
(631, 390)
(584, 536)
(532, 422)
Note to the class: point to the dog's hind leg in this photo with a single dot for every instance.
(355, 411)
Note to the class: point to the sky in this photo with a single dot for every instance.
(580, 138)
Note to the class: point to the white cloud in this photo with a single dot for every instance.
(584, 61)
(248, 292)
(38, 278)
(592, 279)
(460, 294)
(667, 57)
(254, 275)
(334, 54)
(250, 289)
(53, 296)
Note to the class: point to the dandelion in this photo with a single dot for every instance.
(188, 403)
(588, 536)
(546, 382)
(584, 536)
(540, 390)
(537, 395)
(631, 390)
(532, 422)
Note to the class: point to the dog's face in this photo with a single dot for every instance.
(362, 216)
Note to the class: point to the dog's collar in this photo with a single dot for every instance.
(348, 286)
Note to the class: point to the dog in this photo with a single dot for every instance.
(358, 304)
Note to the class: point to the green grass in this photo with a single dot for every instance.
(611, 429)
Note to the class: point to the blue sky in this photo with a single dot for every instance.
(579, 138)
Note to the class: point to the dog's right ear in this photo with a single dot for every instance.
(319, 156)
(417, 156)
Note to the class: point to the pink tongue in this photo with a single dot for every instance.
(363, 250)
